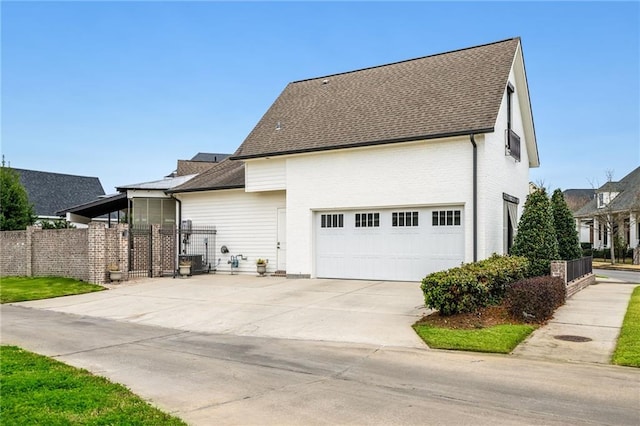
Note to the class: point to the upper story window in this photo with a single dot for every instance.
(446, 218)
(512, 139)
(335, 220)
(404, 219)
(367, 220)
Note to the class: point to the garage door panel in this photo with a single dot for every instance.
(387, 252)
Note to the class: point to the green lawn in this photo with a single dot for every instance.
(628, 349)
(40, 390)
(19, 289)
(498, 339)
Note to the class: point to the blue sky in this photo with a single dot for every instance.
(121, 90)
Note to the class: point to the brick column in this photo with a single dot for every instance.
(156, 251)
(123, 248)
(97, 240)
(28, 247)
(559, 269)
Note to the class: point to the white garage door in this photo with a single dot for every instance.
(388, 244)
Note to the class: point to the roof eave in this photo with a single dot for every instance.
(364, 144)
(216, 188)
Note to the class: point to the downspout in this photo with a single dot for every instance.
(179, 222)
(475, 197)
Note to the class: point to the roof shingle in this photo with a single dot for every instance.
(52, 192)
(226, 174)
(441, 95)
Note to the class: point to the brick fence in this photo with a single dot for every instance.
(559, 269)
(83, 254)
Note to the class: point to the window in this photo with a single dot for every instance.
(513, 140)
(335, 220)
(446, 218)
(154, 211)
(367, 220)
(404, 219)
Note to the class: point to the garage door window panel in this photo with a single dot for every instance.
(332, 221)
(367, 220)
(404, 219)
(446, 218)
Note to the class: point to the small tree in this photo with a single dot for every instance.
(564, 224)
(536, 237)
(16, 212)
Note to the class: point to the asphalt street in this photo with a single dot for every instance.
(208, 378)
(632, 277)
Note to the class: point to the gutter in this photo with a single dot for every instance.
(475, 196)
(361, 144)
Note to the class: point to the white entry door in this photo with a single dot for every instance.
(282, 240)
(401, 244)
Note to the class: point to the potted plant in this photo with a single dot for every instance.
(115, 274)
(261, 266)
(185, 267)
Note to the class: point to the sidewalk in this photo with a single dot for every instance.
(585, 329)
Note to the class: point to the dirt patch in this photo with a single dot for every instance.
(483, 318)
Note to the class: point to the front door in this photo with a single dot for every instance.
(282, 240)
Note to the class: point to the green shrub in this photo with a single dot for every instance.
(497, 272)
(536, 237)
(565, 227)
(535, 299)
(473, 285)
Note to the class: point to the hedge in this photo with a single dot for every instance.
(472, 286)
(535, 299)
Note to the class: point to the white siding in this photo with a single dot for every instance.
(265, 174)
(245, 222)
(427, 173)
(498, 173)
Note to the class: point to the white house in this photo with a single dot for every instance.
(615, 209)
(389, 172)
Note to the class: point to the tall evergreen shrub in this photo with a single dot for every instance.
(564, 224)
(536, 237)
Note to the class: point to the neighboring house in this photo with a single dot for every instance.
(615, 206)
(389, 172)
(52, 192)
(577, 199)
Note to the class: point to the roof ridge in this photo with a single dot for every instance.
(406, 60)
(53, 173)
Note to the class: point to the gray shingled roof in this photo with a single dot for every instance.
(52, 192)
(448, 94)
(209, 157)
(227, 174)
(628, 197)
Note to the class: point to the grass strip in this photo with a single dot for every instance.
(628, 348)
(497, 339)
(20, 289)
(40, 390)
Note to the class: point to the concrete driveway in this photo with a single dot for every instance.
(372, 312)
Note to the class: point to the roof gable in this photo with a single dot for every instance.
(52, 192)
(447, 94)
(226, 174)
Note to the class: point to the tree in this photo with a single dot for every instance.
(16, 212)
(565, 227)
(536, 237)
(607, 216)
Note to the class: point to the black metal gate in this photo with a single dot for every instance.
(155, 251)
(198, 246)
